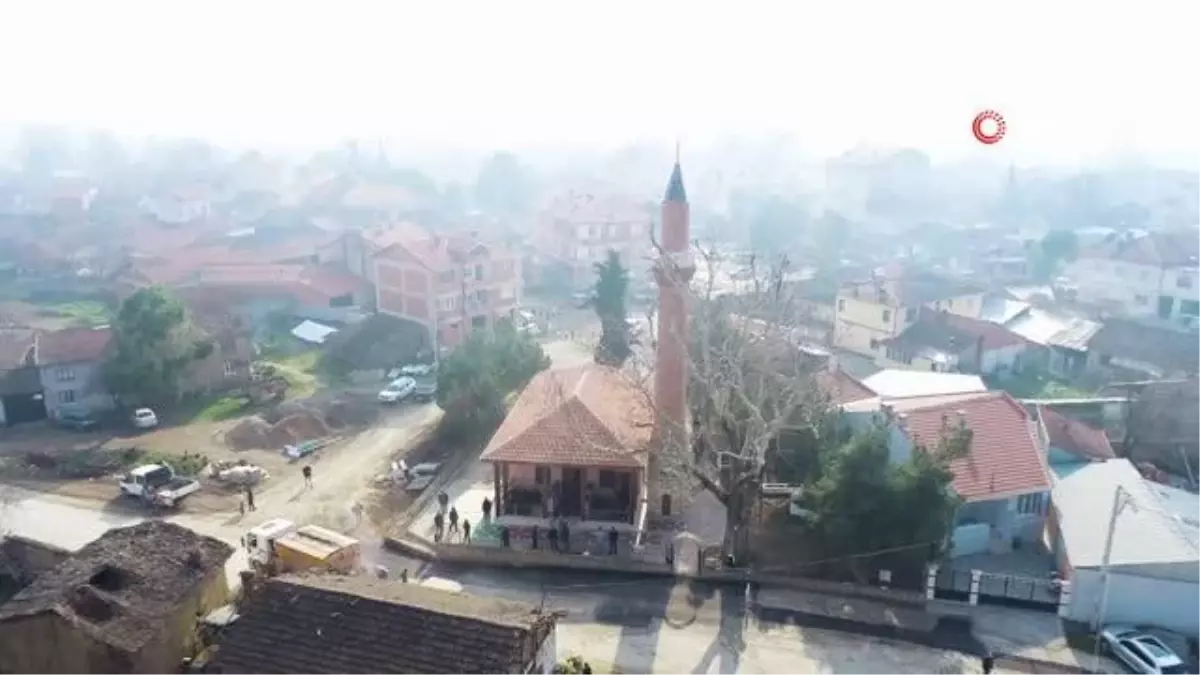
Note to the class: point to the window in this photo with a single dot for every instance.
(1031, 504)
(446, 303)
(1189, 308)
(1141, 300)
(874, 344)
(910, 315)
(64, 374)
(1183, 281)
(841, 305)
(446, 277)
(666, 505)
(230, 368)
(66, 396)
(479, 273)
(541, 475)
(887, 315)
(1105, 359)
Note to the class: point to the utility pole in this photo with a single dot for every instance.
(1121, 499)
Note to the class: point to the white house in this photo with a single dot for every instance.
(1142, 274)
(1154, 564)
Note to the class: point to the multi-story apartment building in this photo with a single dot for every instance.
(870, 313)
(578, 230)
(451, 284)
(1149, 275)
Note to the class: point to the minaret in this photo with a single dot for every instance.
(673, 272)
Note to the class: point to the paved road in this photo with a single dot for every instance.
(661, 625)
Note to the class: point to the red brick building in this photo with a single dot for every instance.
(450, 283)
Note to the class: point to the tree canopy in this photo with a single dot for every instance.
(155, 344)
(1056, 248)
(608, 299)
(475, 378)
(503, 186)
(864, 503)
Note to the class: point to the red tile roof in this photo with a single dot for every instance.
(994, 336)
(15, 346)
(1076, 437)
(841, 387)
(586, 416)
(73, 344)
(1005, 459)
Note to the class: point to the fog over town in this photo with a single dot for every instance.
(643, 337)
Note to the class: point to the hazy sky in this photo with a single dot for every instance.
(1071, 78)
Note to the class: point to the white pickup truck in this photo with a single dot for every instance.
(157, 484)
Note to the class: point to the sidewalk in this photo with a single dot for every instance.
(1032, 636)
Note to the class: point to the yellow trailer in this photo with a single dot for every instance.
(279, 546)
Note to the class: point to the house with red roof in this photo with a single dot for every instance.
(1071, 444)
(944, 342)
(1004, 481)
(43, 373)
(71, 369)
(575, 445)
(449, 283)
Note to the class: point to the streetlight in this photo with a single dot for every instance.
(1121, 499)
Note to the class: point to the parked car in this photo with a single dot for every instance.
(144, 418)
(1140, 651)
(421, 475)
(78, 420)
(399, 389)
(426, 389)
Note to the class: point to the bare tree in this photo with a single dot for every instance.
(749, 382)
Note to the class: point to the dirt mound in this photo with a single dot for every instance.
(249, 434)
(297, 428)
(350, 412)
(258, 433)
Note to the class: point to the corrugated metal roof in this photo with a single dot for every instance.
(1146, 532)
(1050, 330)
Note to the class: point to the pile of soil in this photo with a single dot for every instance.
(297, 428)
(248, 434)
(257, 433)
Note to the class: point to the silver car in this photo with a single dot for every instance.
(1140, 651)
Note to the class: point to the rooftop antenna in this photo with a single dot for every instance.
(676, 149)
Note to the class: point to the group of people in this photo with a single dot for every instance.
(447, 523)
(440, 531)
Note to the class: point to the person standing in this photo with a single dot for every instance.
(437, 526)
(552, 535)
(487, 508)
(250, 499)
(612, 541)
(466, 531)
(453, 521)
(989, 662)
(564, 535)
(307, 471)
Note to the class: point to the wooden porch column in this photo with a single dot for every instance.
(496, 506)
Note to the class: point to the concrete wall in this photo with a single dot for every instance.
(1136, 600)
(970, 539)
(77, 386)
